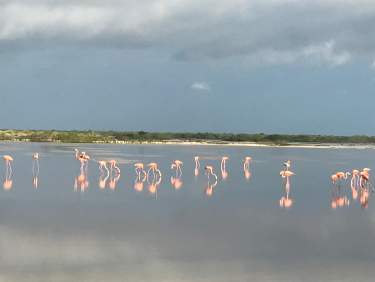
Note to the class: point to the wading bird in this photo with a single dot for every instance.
(141, 177)
(81, 181)
(354, 183)
(340, 176)
(35, 169)
(104, 174)
(153, 171)
(8, 182)
(176, 180)
(113, 167)
(364, 181)
(209, 190)
(246, 167)
(224, 172)
(155, 179)
(287, 165)
(114, 174)
(197, 165)
(285, 201)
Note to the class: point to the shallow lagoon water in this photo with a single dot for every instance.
(240, 233)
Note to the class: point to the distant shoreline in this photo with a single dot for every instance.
(192, 139)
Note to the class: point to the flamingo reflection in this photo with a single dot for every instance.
(35, 169)
(141, 177)
(211, 180)
(364, 196)
(8, 182)
(246, 168)
(176, 180)
(338, 198)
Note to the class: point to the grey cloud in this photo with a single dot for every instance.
(276, 31)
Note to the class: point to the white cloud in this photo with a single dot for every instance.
(201, 86)
(323, 53)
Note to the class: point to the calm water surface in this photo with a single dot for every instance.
(240, 233)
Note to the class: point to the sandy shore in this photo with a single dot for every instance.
(215, 143)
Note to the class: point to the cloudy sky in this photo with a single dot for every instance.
(282, 66)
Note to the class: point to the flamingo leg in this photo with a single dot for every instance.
(10, 170)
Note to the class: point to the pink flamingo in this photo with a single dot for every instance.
(197, 166)
(156, 178)
(286, 201)
(141, 176)
(286, 174)
(83, 158)
(287, 165)
(139, 170)
(176, 181)
(210, 186)
(114, 173)
(210, 172)
(246, 167)
(339, 176)
(104, 174)
(81, 181)
(354, 183)
(178, 166)
(334, 178)
(339, 200)
(8, 182)
(364, 177)
(224, 173)
(113, 166)
(35, 169)
(156, 173)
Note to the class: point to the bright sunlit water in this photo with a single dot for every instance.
(240, 233)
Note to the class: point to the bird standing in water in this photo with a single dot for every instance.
(35, 169)
(8, 182)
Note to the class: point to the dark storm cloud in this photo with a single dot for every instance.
(276, 31)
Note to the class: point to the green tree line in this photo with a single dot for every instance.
(90, 136)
